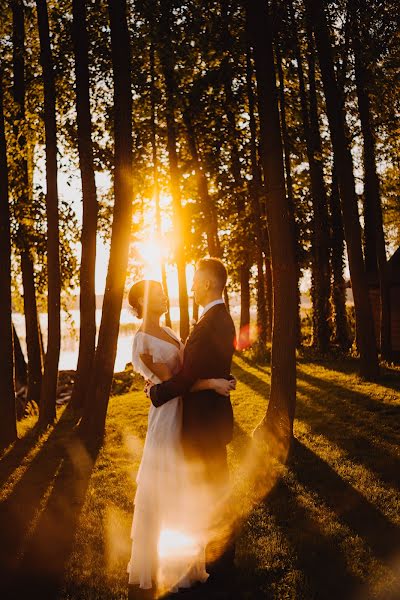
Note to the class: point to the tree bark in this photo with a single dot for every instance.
(374, 237)
(24, 199)
(288, 173)
(269, 291)
(341, 326)
(211, 227)
(244, 262)
(244, 327)
(278, 422)
(49, 384)
(20, 367)
(33, 342)
(227, 43)
(207, 206)
(8, 422)
(255, 188)
(87, 297)
(93, 421)
(320, 233)
(369, 366)
(167, 60)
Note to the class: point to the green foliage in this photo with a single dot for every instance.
(210, 53)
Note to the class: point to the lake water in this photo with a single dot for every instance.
(70, 335)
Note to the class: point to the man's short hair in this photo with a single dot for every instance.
(216, 268)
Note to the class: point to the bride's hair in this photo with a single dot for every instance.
(140, 290)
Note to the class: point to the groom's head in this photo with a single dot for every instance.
(209, 280)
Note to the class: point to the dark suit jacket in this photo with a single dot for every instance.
(207, 416)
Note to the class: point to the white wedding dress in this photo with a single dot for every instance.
(167, 550)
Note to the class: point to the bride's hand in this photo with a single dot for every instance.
(224, 386)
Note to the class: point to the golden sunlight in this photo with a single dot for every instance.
(150, 251)
(176, 544)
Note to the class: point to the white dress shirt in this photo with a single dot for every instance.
(210, 305)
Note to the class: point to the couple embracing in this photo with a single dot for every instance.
(179, 538)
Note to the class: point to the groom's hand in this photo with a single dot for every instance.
(147, 388)
(232, 380)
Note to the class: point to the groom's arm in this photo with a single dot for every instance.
(182, 382)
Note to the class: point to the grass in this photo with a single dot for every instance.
(328, 527)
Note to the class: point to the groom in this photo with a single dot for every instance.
(207, 417)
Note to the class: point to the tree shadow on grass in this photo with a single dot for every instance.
(359, 440)
(389, 376)
(15, 455)
(306, 564)
(313, 565)
(38, 518)
(317, 556)
(350, 419)
(349, 506)
(344, 417)
(360, 402)
(264, 368)
(258, 385)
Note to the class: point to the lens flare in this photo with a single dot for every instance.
(172, 544)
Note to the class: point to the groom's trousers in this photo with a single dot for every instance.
(220, 551)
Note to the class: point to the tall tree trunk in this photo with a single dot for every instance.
(244, 327)
(288, 173)
(20, 376)
(33, 341)
(208, 207)
(87, 297)
(255, 188)
(278, 421)
(244, 261)
(24, 199)
(155, 173)
(320, 234)
(20, 368)
(211, 227)
(321, 255)
(341, 327)
(269, 291)
(8, 422)
(374, 237)
(167, 60)
(49, 383)
(93, 422)
(366, 342)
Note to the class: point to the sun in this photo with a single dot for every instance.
(150, 251)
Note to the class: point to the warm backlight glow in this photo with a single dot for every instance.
(150, 254)
(176, 544)
(150, 251)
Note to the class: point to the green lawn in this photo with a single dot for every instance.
(327, 527)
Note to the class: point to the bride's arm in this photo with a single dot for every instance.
(221, 386)
(160, 370)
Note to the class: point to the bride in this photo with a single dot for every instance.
(167, 551)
